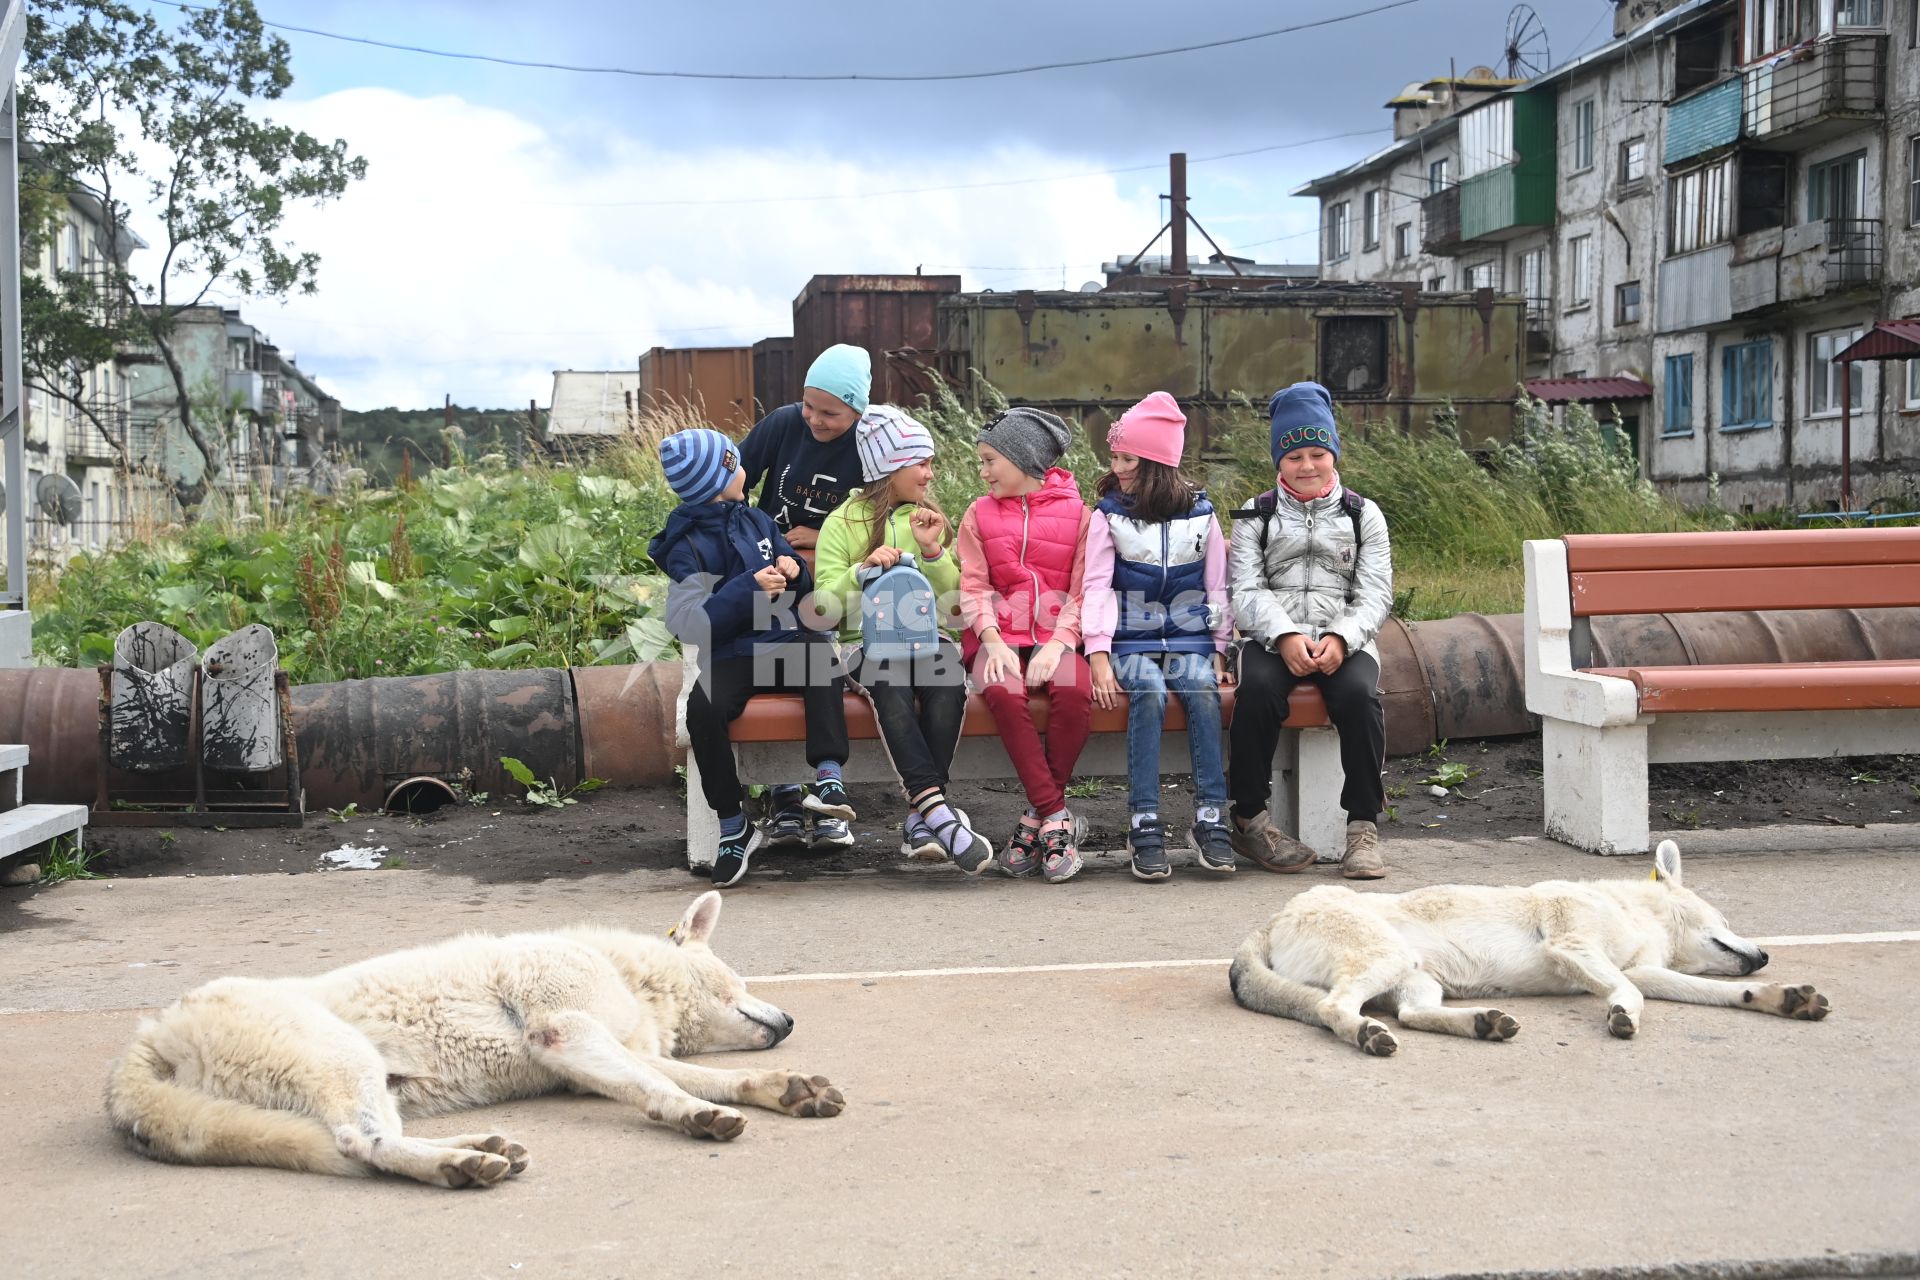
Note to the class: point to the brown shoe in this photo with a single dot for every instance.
(1266, 844)
(1362, 860)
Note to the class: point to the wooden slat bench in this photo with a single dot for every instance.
(766, 743)
(1602, 726)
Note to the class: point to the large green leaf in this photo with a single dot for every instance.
(366, 573)
(555, 549)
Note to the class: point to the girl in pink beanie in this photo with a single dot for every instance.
(1156, 623)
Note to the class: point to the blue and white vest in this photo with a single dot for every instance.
(1159, 579)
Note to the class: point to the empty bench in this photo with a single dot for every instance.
(1307, 776)
(27, 826)
(1602, 727)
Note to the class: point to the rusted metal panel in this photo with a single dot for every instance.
(628, 722)
(880, 313)
(773, 374)
(715, 382)
(1093, 349)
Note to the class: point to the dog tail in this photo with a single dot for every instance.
(165, 1120)
(1258, 987)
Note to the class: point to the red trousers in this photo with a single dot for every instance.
(1044, 770)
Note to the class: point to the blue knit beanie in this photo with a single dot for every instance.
(1302, 415)
(843, 371)
(699, 464)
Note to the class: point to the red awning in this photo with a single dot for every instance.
(1587, 390)
(1887, 340)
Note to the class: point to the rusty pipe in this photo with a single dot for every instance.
(1460, 677)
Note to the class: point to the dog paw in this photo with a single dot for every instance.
(813, 1097)
(1491, 1024)
(475, 1169)
(1802, 1002)
(1621, 1023)
(1374, 1038)
(512, 1152)
(722, 1124)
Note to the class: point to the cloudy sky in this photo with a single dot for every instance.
(515, 221)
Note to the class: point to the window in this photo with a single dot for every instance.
(1913, 167)
(1679, 419)
(1697, 209)
(1763, 191)
(1633, 161)
(1436, 284)
(1579, 271)
(1746, 386)
(1582, 135)
(1837, 188)
(1626, 303)
(1437, 176)
(1353, 354)
(1860, 13)
(1339, 232)
(1767, 26)
(1913, 383)
(1370, 220)
(73, 247)
(1403, 238)
(1823, 375)
(1484, 274)
(1533, 281)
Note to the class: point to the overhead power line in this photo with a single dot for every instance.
(655, 74)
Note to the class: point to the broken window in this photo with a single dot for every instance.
(1353, 354)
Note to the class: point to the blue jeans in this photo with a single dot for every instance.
(1189, 677)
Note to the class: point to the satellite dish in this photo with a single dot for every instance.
(1526, 51)
(59, 497)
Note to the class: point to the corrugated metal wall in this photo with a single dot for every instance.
(714, 382)
(772, 374)
(880, 313)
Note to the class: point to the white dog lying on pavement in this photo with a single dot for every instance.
(1331, 950)
(315, 1073)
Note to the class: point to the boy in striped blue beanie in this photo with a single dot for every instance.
(736, 587)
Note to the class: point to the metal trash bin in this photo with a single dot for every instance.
(240, 730)
(150, 711)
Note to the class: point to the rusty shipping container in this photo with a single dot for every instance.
(880, 313)
(773, 374)
(1388, 352)
(715, 382)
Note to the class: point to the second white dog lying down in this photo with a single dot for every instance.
(1331, 951)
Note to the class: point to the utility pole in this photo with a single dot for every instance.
(1177, 172)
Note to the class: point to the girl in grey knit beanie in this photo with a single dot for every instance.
(1031, 439)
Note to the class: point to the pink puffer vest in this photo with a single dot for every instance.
(1031, 544)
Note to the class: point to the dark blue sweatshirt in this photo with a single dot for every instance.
(711, 550)
(804, 478)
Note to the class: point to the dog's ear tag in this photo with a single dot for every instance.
(674, 929)
(1651, 875)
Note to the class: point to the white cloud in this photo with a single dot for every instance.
(467, 263)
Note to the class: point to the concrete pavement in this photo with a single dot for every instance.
(1105, 1120)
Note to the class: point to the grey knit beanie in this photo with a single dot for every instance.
(1031, 439)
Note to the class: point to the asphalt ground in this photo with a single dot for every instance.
(1042, 1080)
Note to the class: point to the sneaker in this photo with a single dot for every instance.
(828, 798)
(963, 846)
(1362, 860)
(1021, 857)
(1268, 845)
(730, 866)
(788, 828)
(1147, 846)
(918, 843)
(830, 833)
(1060, 849)
(1214, 844)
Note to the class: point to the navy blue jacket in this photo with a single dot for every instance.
(804, 478)
(711, 550)
(1159, 579)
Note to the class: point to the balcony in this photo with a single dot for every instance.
(1487, 209)
(1704, 121)
(1815, 91)
(97, 441)
(1804, 263)
(1440, 221)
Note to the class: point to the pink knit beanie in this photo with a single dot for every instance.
(1154, 429)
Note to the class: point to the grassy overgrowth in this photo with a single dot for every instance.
(484, 563)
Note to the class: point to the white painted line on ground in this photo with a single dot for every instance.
(1100, 966)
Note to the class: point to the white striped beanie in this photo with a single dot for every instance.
(888, 439)
(698, 463)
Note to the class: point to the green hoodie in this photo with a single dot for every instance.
(843, 545)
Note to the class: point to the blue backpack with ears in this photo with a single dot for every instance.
(898, 612)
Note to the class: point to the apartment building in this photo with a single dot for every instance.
(1700, 215)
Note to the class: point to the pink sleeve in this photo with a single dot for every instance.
(976, 587)
(1219, 599)
(1067, 630)
(1100, 610)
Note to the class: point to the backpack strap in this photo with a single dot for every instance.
(1261, 508)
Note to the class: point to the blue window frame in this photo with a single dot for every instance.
(1679, 417)
(1746, 386)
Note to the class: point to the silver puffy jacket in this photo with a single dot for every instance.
(1302, 584)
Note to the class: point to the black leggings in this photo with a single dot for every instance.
(919, 703)
(1352, 695)
(807, 663)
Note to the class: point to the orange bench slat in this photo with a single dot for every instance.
(1756, 549)
(1830, 586)
(781, 717)
(1775, 686)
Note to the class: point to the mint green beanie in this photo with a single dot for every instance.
(843, 371)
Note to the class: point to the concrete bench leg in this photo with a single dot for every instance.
(1307, 779)
(703, 824)
(1596, 785)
